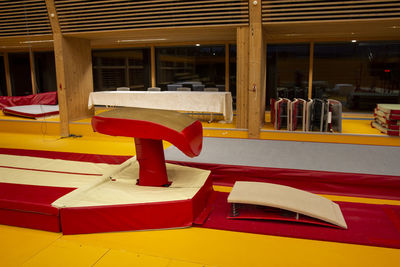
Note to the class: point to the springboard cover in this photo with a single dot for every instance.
(287, 198)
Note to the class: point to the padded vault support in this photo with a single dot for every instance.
(149, 127)
(150, 154)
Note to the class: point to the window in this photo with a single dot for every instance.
(20, 72)
(121, 68)
(3, 85)
(232, 73)
(359, 74)
(287, 71)
(205, 64)
(45, 71)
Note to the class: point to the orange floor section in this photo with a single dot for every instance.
(177, 247)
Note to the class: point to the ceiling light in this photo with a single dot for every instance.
(354, 41)
(36, 41)
(141, 40)
(197, 44)
(293, 34)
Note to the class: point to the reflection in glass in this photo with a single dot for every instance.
(232, 73)
(195, 67)
(20, 74)
(45, 71)
(359, 75)
(3, 85)
(121, 68)
(287, 71)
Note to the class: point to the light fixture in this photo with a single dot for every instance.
(255, 3)
(14, 46)
(293, 34)
(197, 44)
(141, 40)
(36, 41)
(354, 41)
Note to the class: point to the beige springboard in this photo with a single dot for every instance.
(287, 198)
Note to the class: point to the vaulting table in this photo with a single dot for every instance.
(149, 127)
(214, 102)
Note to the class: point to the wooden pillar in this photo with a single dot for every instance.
(153, 66)
(310, 70)
(33, 73)
(7, 73)
(74, 79)
(74, 73)
(257, 63)
(242, 76)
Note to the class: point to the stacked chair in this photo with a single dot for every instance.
(312, 115)
(387, 119)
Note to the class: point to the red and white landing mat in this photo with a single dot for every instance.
(86, 197)
(32, 111)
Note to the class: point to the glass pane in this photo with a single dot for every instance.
(202, 64)
(20, 72)
(360, 75)
(232, 73)
(112, 78)
(121, 68)
(287, 71)
(45, 71)
(3, 86)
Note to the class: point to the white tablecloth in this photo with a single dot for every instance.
(215, 102)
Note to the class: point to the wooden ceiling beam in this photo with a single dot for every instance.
(53, 17)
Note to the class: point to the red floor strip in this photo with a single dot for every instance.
(318, 182)
(110, 159)
(40, 170)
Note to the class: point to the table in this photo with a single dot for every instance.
(214, 102)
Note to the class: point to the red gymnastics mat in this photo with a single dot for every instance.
(28, 205)
(48, 98)
(376, 225)
(368, 224)
(32, 111)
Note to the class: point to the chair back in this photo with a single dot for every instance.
(183, 89)
(211, 89)
(123, 89)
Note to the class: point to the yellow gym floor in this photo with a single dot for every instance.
(177, 247)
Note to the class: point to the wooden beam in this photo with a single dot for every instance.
(61, 90)
(242, 77)
(153, 66)
(33, 73)
(310, 70)
(54, 22)
(7, 73)
(74, 73)
(74, 79)
(256, 71)
(227, 67)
